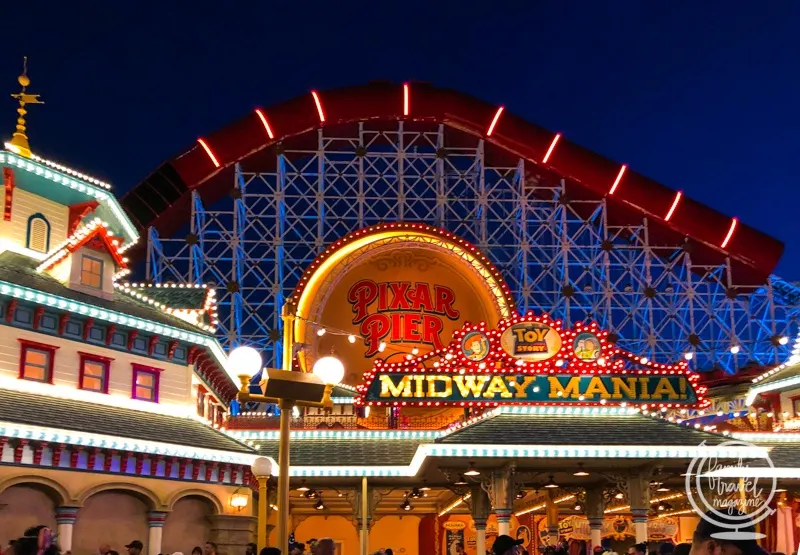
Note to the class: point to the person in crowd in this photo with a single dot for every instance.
(270, 551)
(297, 548)
(388, 551)
(211, 549)
(506, 545)
(251, 549)
(103, 549)
(638, 549)
(666, 548)
(135, 547)
(325, 546)
(705, 542)
(112, 552)
(197, 551)
(682, 549)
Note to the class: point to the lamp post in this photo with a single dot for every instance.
(262, 470)
(287, 389)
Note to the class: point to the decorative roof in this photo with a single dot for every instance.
(18, 269)
(92, 418)
(579, 429)
(338, 451)
(95, 234)
(196, 304)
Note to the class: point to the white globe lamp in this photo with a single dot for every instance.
(261, 467)
(329, 369)
(245, 361)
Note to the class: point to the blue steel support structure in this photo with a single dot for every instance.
(557, 254)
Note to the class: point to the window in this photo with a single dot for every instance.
(94, 372)
(38, 233)
(92, 272)
(145, 383)
(36, 361)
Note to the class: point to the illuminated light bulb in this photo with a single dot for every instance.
(559, 363)
(783, 340)
(321, 332)
(643, 360)
(351, 338)
(688, 356)
(381, 347)
(414, 351)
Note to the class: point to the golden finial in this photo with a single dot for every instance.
(19, 141)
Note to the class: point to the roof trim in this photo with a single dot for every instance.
(421, 102)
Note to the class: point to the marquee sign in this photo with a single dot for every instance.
(530, 360)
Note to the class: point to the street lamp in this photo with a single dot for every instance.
(262, 470)
(287, 389)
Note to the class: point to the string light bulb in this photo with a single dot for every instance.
(351, 338)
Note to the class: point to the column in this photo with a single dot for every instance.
(595, 508)
(501, 489)
(479, 509)
(65, 519)
(551, 511)
(639, 495)
(155, 523)
(364, 529)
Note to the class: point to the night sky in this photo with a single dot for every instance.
(702, 96)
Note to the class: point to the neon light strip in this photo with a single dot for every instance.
(208, 151)
(618, 179)
(674, 205)
(478, 451)
(767, 437)
(454, 504)
(734, 221)
(552, 147)
(81, 186)
(318, 102)
(494, 121)
(263, 119)
(406, 99)
(71, 437)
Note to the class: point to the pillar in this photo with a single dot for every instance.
(501, 491)
(639, 496)
(595, 508)
(479, 509)
(65, 519)
(155, 523)
(364, 529)
(551, 511)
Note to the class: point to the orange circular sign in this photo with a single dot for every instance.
(393, 298)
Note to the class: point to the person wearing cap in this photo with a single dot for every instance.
(506, 545)
(638, 549)
(135, 547)
(709, 537)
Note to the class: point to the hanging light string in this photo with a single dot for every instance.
(322, 330)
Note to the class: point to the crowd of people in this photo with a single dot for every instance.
(708, 539)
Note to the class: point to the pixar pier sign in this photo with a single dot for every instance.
(530, 360)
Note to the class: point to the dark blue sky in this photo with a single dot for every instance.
(702, 96)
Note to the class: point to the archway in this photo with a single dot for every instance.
(188, 523)
(27, 501)
(112, 514)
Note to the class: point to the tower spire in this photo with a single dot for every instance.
(19, 141)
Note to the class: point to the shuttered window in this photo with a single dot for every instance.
(38, 233)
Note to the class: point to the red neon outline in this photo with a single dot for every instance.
(494, 121)
(618, 179)
(208, 151)
(734, 221)
(318, 102)
(552, 147)
(264, 121)
(674, 205)
(406, 99)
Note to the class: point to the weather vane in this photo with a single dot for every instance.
(19, 141)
